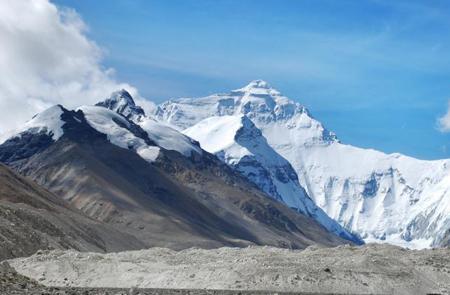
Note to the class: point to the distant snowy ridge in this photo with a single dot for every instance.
(385, 198)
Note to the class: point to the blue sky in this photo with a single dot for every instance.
(375, 72)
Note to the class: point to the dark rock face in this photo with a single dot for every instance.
(371, 187)
(446, 240)
(32, 141)
(77, 128)
(24, 146)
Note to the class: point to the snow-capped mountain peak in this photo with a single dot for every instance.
(48, 122)
(388, 198)
(259, 83)
(258, 87)
(122, 102)
(260, 102)
(259, 97)
(122, 95)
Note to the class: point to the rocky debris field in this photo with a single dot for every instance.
(12, 283)
(371, 269)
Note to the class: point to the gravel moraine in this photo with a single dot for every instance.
(370, 269)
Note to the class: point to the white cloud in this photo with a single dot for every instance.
(46, 59)
(444, 121)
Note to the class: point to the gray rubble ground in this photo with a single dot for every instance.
(12, 283)
(371, 269)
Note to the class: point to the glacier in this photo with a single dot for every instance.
(386, 198)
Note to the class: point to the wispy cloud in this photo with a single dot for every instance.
(444, 121)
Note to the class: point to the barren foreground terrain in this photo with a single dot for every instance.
(371, 269)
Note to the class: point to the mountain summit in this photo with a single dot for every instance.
(261, 103)
(122, 102)
(258, 87)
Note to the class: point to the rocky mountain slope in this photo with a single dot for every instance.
(32, 218)
(120, 173)
(383, 197)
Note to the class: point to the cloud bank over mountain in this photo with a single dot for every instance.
(46, 58)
